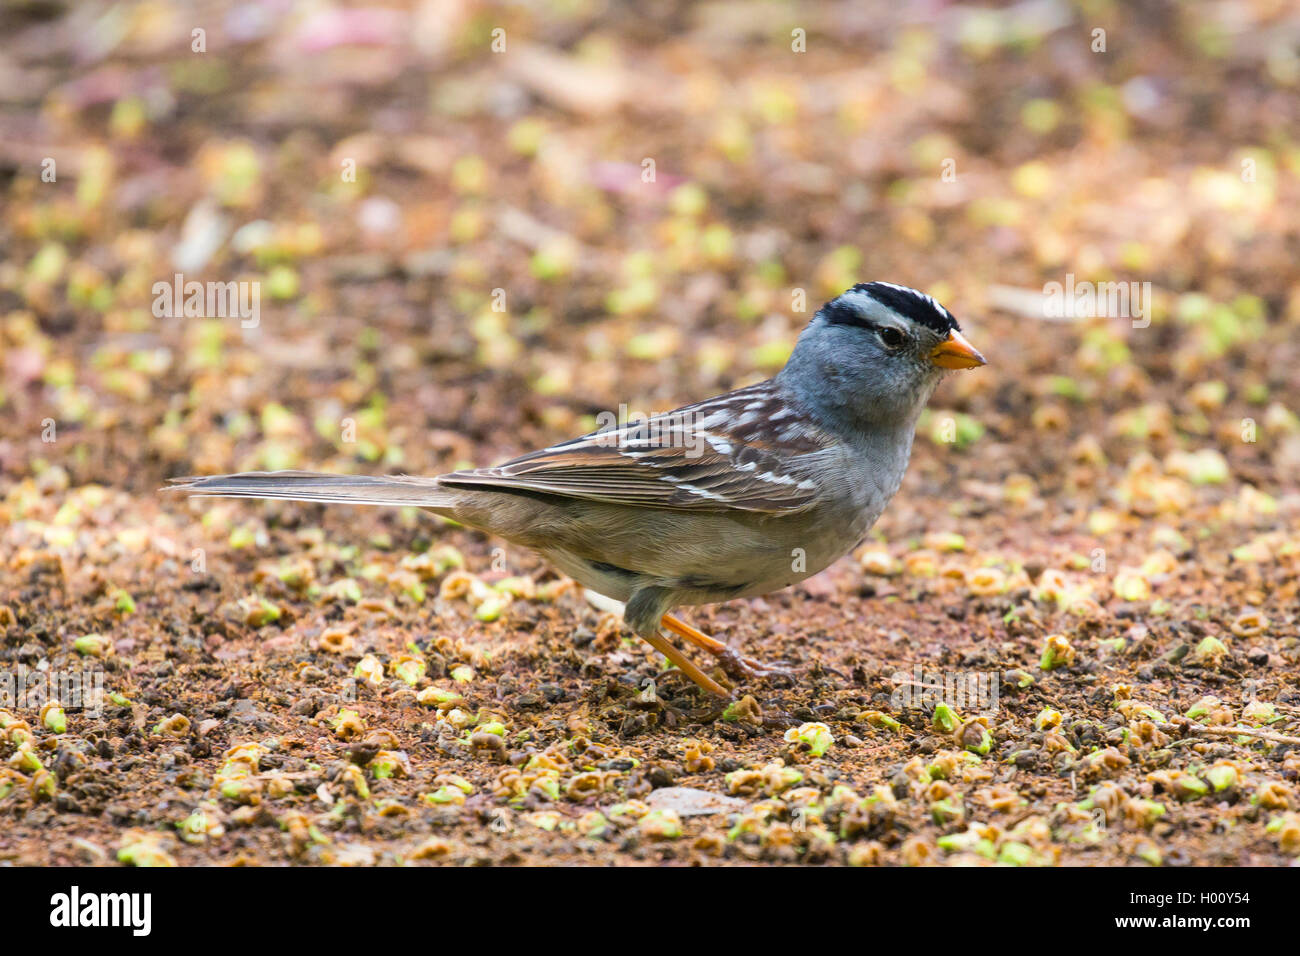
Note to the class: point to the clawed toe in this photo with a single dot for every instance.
(741, 667)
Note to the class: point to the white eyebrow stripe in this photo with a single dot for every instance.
(855, 295)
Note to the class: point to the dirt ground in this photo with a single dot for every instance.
(473, 228)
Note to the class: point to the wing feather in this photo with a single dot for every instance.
(741, 451)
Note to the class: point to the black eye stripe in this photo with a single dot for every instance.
(837, 313)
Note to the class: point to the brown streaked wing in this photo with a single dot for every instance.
(730, 452)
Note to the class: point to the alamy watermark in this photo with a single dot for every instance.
(26, 689)
(967, 692)
(76, 909)
(1087, 300)
(208, 300)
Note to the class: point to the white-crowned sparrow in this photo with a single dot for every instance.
(734, 496)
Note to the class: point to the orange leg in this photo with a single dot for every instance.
(730, 660)
(698, 638)
(665, 647)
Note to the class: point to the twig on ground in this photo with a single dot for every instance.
(1244, 732)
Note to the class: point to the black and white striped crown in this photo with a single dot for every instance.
(908, 303)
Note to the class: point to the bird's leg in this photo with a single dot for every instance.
(665, 647)
(732, 662)
(642, 614)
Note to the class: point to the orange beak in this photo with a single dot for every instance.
(956, 352)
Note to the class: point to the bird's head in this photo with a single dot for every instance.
(877, 351)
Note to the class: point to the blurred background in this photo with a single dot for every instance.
(475, 225)
(462, 230)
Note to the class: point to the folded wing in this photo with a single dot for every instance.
(746, 451)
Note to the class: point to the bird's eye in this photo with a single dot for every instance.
(892, 338)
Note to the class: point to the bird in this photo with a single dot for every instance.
(735, 496)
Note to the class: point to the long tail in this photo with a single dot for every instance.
(394, 490)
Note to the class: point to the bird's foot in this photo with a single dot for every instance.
(737, 666)
(741, 667)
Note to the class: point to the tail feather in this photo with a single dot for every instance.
(393, 490)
